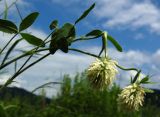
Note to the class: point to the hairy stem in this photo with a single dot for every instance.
(127, 69)
(87, 53)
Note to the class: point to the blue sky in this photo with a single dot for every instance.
(135, 24)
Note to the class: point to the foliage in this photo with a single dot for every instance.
(75, 99)
(62, 38)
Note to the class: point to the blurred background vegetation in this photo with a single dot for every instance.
(75, 99)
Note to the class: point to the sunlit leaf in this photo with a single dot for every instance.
(95, 33)
(33, 40)
(28, 21)
(115, 43)
(145, 79)
(148, 90)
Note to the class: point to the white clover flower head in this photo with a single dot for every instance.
(132, 97)
(102, 72)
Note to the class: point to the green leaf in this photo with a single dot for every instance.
(8, 26)
(63, 45)
(145, 79)
(28, 21)
(95, 33)
(148, 82)
(33, 40)
(136, 76)
(2, 112)
(53, 45)
(85, 13)
(115, 43)
(10, 107)
(53, 25)
(148, 90)
(62, 38)
(131, 80)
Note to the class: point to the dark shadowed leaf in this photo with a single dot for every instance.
(136, 76)
(115, 43)
(85, 13)
(63, 45)
(95, 33)
(2, 112)
(28, 21)
(53, 45)
(62, 38)
(33, 40)
(8, 26)
(53, 25)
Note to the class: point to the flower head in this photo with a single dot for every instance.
(132, 96)
(102, 72)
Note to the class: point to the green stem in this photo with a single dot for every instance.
(22, 70)
(10, 50)
(33, 53)
(8, 7)
(8, 43)
(84, 39)
(87, 53)
(48, 83)
(21, 56)
(19, 13)
(106, 44)
(127, 69)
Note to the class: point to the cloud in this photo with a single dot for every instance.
(70, 2)
(12, 11)
(53, 67)
(129, 14)
(16, 83)
(123, 14)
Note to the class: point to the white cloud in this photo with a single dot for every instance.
(70, 2)
(53, 67)
(129, 13)
(16, 83)
(61, 63)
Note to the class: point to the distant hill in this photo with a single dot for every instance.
(21, 94)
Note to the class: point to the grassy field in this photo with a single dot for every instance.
(77, 100)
